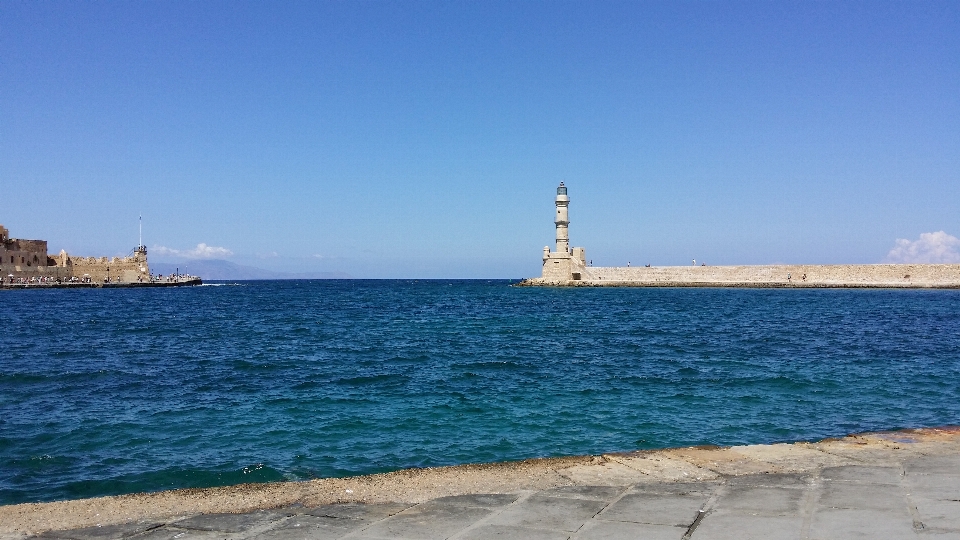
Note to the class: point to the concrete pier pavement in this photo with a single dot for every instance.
(893, 485)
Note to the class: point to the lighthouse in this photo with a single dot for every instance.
(562, 220)
(564, 264)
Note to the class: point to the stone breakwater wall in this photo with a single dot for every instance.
(786, 275)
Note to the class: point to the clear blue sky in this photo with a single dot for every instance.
(425, 139)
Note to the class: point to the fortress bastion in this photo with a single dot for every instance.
(26, 259)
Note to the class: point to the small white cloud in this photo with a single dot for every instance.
(933, 247)
(202, 251)
(271, 255)
(162, 250)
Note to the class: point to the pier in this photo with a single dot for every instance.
(811, 276)
(179, 282)
(567, 266)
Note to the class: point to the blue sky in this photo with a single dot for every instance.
(425, 139)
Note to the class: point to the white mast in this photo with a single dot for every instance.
(141, 231)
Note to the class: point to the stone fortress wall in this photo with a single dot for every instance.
(18, 255)
(567, 267)
(26, 259)
(102, 269)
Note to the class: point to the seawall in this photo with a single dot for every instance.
(185, 282)
(941, 276)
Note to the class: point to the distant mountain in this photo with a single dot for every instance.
(220, 270)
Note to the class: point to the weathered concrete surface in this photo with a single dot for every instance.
(786, 276)
(903, 484)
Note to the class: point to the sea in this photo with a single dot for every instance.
(108, 392)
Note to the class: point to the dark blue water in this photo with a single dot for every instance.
(117, 391)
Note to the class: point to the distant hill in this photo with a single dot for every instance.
(217, 270)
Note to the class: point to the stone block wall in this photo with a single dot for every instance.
(17, 256)
(556, 267)
(559, 266)
(100, 269)
(841, 275)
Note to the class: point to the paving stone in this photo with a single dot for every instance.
(427, 521)
(609, 473)
(862, 496)
(934, 486)
(123, 530)
(480, 500)
(364, 512)
(793, 458)
(724, 461)
(861, 453)
(780, 480)
(305, 527)
(504, 532)
(233, 523)
(939, 514)
(767, 501)
(677, 488)
(173, 533)
(594, 493)
(655, 509)
(722, 525)
(850, 524)
(862, 475)
(619, 530)
(543, 512)
(949, 465)
(662, 467)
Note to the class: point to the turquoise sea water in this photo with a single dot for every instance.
(117, 391)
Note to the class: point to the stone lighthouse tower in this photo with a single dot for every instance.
(564, 264)
(562, 219)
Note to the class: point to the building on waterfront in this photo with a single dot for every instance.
(28, 259)
(19, 255)
(566, 263)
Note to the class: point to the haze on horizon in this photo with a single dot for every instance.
(399, 139)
